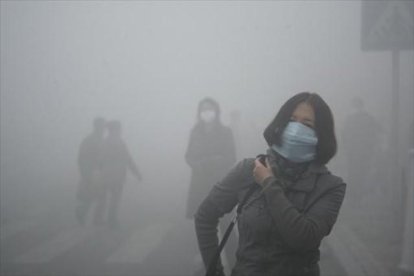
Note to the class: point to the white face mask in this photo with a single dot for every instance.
(208, 115)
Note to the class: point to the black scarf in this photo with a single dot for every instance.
(286, 170)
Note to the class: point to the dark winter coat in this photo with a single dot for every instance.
(210, 154)
(280, 231)
(89, 154)
(115, 162)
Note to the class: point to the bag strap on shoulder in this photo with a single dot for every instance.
(212, 268)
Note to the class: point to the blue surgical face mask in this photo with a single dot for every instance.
(298, 143)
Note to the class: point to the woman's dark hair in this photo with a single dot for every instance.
(324, 125)
(215, 106)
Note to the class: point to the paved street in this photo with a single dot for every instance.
(149, 242)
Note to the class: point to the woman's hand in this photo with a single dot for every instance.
(261, 172)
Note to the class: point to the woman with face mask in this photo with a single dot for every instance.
(210, 155)
(294, 202)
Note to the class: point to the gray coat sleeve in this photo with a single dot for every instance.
(222, 199)
(304, 231)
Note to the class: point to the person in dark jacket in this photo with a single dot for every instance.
(210, 154)
(89, 169)
(115, 162)
(361, 141)
(296, 200)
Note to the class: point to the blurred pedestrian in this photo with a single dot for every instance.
(361, 140)
(210, 154)
(295, 200)
(89, 168)
(115, 161)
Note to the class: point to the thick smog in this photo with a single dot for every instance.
(130, 131)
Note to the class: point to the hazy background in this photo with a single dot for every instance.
(148, 64)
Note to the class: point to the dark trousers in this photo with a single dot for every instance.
(113, 194)
(86, 195)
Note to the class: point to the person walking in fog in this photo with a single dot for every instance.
(361, 139)
(293, 199)
(210, 153)
(115, 162)
(89, 169)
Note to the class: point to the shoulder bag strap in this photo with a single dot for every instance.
(212, 268)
